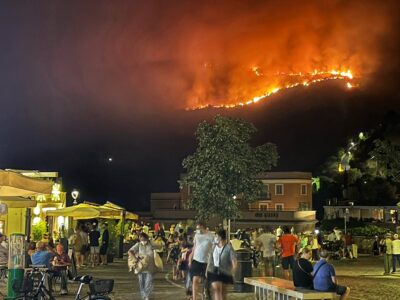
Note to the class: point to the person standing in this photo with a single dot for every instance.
(3, 250)
(85, 248)
(105, 239)
(325, 277)
(202, 247)
(287, 243)
(78, 247)
(302, 270)
(94, 237)
(279, 232)
(144, 250)
(221, 266)
(387, 253)
(146, 228)
(315, 246)
(395, 251)
(267, 243)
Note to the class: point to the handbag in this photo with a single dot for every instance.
(158, 261)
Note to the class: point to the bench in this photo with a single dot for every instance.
(266, 288)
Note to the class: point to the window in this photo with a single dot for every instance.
(279, 189)
(279, 206)
(303, 189)
(263, 206)
(265, 192)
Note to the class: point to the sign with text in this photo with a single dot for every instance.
(272, 215)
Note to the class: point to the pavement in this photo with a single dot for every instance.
(364, 276)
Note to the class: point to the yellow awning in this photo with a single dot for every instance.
(128, 215)
(18, 202)
(110, 210)
(80, 211)
(15, 184)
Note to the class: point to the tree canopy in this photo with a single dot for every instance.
(223, 170)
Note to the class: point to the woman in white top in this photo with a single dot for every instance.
(221, 266)
(144, 251)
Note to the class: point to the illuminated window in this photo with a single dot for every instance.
(279, 189)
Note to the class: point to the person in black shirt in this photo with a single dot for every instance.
(302, 269)
(94, 237)
(105, 238)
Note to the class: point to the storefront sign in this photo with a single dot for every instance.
(266, 215)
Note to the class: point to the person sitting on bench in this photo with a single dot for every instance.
(302, 269)
(325, 277)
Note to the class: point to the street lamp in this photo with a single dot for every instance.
(75, 195)
(346, 216)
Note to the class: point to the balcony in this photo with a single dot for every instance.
(246, 215)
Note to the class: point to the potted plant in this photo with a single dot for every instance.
(112, 246)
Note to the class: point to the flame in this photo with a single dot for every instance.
(292, 80)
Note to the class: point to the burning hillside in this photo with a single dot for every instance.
(278, 82)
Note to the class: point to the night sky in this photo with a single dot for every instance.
(82, 81)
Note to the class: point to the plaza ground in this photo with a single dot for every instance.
(364, 276)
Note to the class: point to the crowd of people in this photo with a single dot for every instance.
(205, 260)
(86, 246)
(201, 258)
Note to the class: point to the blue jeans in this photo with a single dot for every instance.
(145, 284)
(395, 257)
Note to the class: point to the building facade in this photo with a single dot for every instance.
(383, 214)
(21, 216)
(286, 200)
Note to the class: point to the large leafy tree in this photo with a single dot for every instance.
(223, 170)
(387, 155)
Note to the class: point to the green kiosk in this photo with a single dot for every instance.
(16, 262)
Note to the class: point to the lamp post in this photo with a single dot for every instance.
(75, 195)
(346, 216)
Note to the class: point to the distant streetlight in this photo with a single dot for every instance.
(75, 195)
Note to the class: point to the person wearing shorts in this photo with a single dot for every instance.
(325, 277)
(221, 266)
(287, 243)
(94, 237)
(202, 247)
(267, 243)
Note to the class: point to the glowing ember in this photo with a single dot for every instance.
(286, 81)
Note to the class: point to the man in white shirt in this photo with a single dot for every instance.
(267, 243)
(202, 246)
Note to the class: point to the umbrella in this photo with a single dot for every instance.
(128, 215)
(110, 210)
(15, 184)
(80, 211)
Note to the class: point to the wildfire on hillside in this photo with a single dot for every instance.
(277, 82)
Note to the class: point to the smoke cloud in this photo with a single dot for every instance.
(133, 56)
